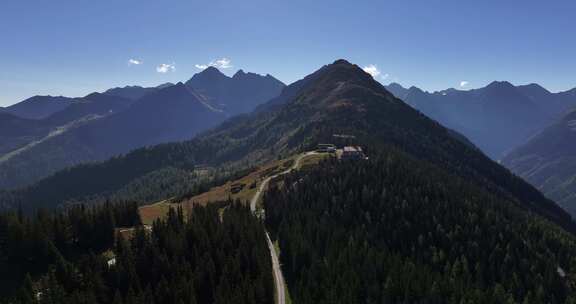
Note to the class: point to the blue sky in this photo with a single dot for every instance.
(71, 48)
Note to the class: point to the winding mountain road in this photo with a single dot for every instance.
(278, 277)
(264, 184)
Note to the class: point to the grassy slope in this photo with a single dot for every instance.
(149, 213)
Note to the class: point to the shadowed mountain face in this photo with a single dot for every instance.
(496, 118)
(548, 161)
(338, 99)
(94, 104)
(169, 114)
(241, 93)
(17, 132)
(101, 125)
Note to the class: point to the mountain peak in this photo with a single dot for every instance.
(92, 95)
(212, 71)
(536, 86)
(209, 74)
(396, 85)
(238, 74)
(342, 61)
(176, 87)
(415, 91)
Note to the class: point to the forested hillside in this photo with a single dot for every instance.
(206, 258)
(394, 229)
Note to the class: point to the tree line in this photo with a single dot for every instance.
(214, 254)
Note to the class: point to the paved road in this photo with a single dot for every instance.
(278, 277)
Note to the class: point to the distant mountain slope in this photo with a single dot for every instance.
(39, 107)
(170, 114)
(339, 99)
(497, 117)
(548, 161)
(241, 93)
(92, 104)
(16, 131)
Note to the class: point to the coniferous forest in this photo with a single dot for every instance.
(217, 254)
(393, 229)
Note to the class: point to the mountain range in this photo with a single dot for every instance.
(497, 118)
(337, 99)
(42, 135)
(238, 94)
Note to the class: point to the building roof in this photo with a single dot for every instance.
(352, 149)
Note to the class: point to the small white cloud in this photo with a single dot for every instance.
(464, 83)
(385, 76)
(372, 70)
(165, 68)
(133, 61)
(222, 63)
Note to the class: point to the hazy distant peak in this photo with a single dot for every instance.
(500, 85)
(536, 86)
(238, 74)
(416, 89)
(178, 87)
(396, 85)
(165, 85)
(92, 95)
(48, 98)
